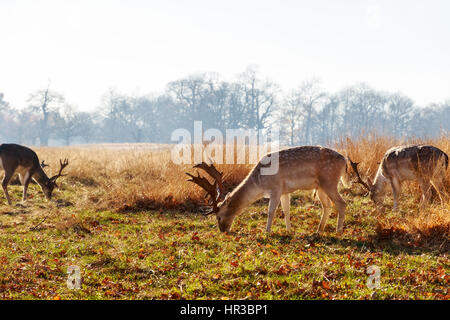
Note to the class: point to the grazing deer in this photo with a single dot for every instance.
(15, 158)
(305, 168)
(422, 163)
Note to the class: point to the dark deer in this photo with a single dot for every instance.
(422, 163)
(24, 161)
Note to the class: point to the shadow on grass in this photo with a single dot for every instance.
(374, 244)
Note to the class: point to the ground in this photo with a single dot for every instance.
(169, 254)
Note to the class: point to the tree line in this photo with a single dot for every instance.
(305, 115)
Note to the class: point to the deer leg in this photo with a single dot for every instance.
(6, 179)
(396, 189)
(340, 204)
(26, 182)
(326, 208)
(285, 205)
(438, 184)
(425, 187)
(273, 204)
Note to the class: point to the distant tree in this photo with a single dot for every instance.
(130, 113)
(43, 102)
(109, 111)
(71, 124)
(259, 98)
(162, 118)
(291, 117)
(8, 124)
(362, 110)
(189, 94)
(310, 98)
(445, 117)
(87, 126)
(27, 128)
(306, 115)
(329, 121)
(399, 110)
(424, 122)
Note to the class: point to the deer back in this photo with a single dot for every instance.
(305, 167)
(14, 156)
(409, 162)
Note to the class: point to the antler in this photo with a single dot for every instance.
(43, 164)
(213, 172)
(63, 165)
(355, 168)
(214, 190)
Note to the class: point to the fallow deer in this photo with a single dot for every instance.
(16, 158)
(422, 163)
(305, 168)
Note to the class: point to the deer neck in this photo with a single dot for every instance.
(380, 182)
(243, 196)
(40, 177)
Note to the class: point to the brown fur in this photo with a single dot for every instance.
(423, 163)
(24, 161)
(300, 168)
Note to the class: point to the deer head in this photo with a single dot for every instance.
(218, 202)
(369, 186)
(51, 183)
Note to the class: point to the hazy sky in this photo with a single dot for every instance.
(86, 47)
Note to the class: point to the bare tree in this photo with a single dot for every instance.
(259, 98)
(399, 109)
(328, 121)
(362, 109)
(310, 96)
(189, 93)
(292, 118)
(43, 102)
(7, 121)
(109, 110)
(87, 127)
(70, 124)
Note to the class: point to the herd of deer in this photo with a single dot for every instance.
(300, 168)
(321, 169)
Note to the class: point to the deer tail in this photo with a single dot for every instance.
(345, 178)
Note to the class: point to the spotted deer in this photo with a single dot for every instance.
(300, 168)
(24, 161)
(422, 163)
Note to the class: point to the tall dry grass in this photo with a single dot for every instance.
(133, 179)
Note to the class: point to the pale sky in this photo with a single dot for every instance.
(86, 47)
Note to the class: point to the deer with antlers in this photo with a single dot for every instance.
(305, 168)
(423, 163)
(16, 158)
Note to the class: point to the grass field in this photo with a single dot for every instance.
(127, 218)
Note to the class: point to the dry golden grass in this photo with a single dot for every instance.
(131, 179)
(136, 179)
